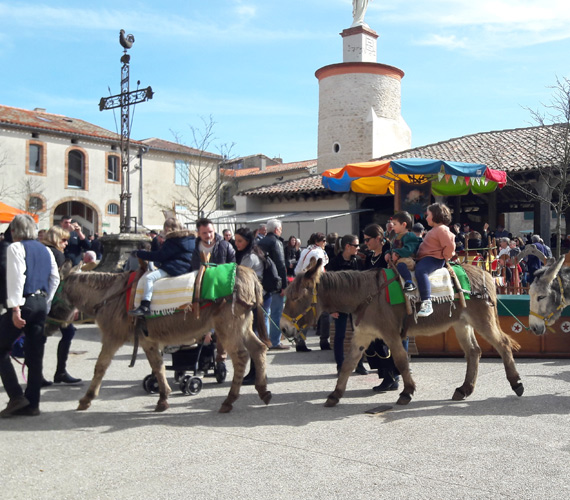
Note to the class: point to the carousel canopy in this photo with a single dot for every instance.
(448, 178)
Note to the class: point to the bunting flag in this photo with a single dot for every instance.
(378, 177)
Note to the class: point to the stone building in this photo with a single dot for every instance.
(55, 165)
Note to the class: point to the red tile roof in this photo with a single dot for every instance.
(309, 184)
(45, 122)
(513, 150)
(271, 169)
(174, 147)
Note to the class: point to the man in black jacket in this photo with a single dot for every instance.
(221, 252)
(208, 241)
(273, 246)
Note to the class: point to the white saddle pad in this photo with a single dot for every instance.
(169, 294)
(441, 287)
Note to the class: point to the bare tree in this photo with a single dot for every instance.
(201, 175)
(29, 196)
(6, 190)
(550, 158)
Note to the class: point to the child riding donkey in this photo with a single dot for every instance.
(437, 247)
(404, 247)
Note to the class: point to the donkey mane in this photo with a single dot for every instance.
(98, 281)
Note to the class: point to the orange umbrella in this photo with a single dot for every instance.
(7, 213)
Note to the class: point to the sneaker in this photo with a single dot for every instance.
(140, 311)
(409, 286)
(14, 405)
(279, 347)
(425, 309)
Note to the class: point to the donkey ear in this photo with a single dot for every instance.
(314, 271)
(65, 269)
(552, 271)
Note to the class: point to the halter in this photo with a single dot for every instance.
(561, 306)
(295, 321)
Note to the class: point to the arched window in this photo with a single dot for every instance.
(113, 209)
(76, 169)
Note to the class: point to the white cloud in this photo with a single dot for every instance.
(448, 42)
(483, 26)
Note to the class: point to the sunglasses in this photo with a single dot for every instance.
(367, 239)
(354, 245)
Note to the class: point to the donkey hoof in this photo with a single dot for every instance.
(225, 408)
(519, 389)
(331, 401)
(83, 405)
(404, 399)
(266, 398)
(459, 395)
(161, 406)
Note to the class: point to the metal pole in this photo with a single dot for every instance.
(125, 220)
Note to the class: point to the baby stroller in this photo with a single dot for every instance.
(197, 358)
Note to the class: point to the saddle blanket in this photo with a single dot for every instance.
(176, 293)
(169, 294)
(442, 289)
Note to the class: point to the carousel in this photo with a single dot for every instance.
(413, 182)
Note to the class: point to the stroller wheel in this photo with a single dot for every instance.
(191, 385)
(221, 372)
(150, 384)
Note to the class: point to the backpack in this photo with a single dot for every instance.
(271, 281)
(17, 350)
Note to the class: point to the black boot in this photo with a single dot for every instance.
(325, 346)
(61, 375)
(249, 379)
(360, 369)
(390, 383)
(142, 310)
(302, 347)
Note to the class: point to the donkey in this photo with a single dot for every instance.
(360, 294)
(103, 296)
(549, 295)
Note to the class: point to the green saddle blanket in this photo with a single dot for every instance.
(219, 281)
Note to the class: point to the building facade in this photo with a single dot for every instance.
(54, 165)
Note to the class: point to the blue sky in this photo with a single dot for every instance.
(470, 66)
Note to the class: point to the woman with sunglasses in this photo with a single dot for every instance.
(378, 354)
(346, 260)
(56, 239)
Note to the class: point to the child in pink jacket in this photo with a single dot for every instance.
(437, 246)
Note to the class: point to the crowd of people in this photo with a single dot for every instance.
(30, 264)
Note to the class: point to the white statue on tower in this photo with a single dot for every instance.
(358, 10)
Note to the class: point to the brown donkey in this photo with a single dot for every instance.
(362, 294)
(103, 296)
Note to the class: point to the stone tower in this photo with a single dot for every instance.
(359, 105)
